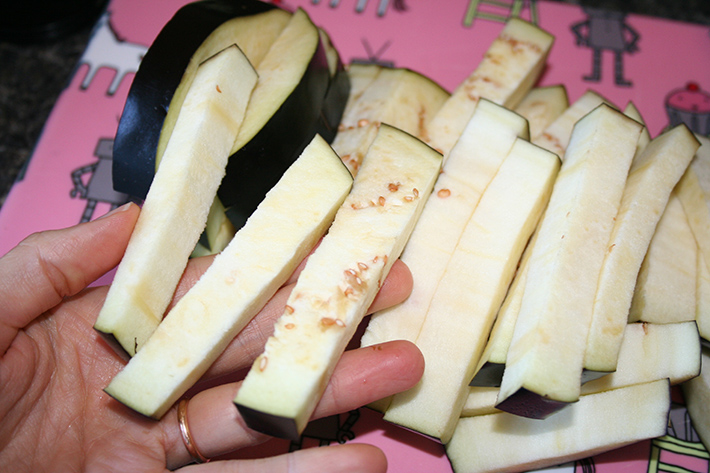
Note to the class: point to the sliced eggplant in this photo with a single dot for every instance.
(398, 97)
(542, 106)
(286, 226)
(220, 227)
(194, 33)
(338, 283)
(543, 368)
(652, 177)
(338, 92)
(597, 423)
(302, 90)
(471, 289)
(510, 67)
(361, 76)
(179, 200)
(281, 119)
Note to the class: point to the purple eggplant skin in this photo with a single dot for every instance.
(270, 424)
(256, 167)
(155, 83)
(334, 104)
(248, 180)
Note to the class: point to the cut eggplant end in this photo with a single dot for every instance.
(526, 403)
(270, 424)
(489, 376)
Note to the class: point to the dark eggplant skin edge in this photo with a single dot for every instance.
(334, 104)
(111, 340)
(155, 82)
(269, 424)
(490, 375)
(256, 167)
(526, 403)
(338, 93)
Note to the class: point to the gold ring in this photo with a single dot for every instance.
(187, 436)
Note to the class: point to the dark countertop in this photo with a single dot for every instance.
(33, 75)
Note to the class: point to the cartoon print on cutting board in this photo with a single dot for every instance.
(500, 11)
(689, 105)
(99, 185)
(382, 5)
(328, 429)
(107, 49)
(606, 30)
(680, 449)
(373, 57)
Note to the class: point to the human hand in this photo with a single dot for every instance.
(55, 416)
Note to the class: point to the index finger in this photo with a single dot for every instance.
(48, 266)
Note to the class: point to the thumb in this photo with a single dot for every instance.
(48, 266)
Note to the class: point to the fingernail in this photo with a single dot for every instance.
(117, 210)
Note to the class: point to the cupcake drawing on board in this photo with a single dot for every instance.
(691, 106)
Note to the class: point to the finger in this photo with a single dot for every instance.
(48, 266)
(352, 458)
(250, 341)
(362, 376)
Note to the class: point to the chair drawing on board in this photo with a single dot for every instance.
(500, 10)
